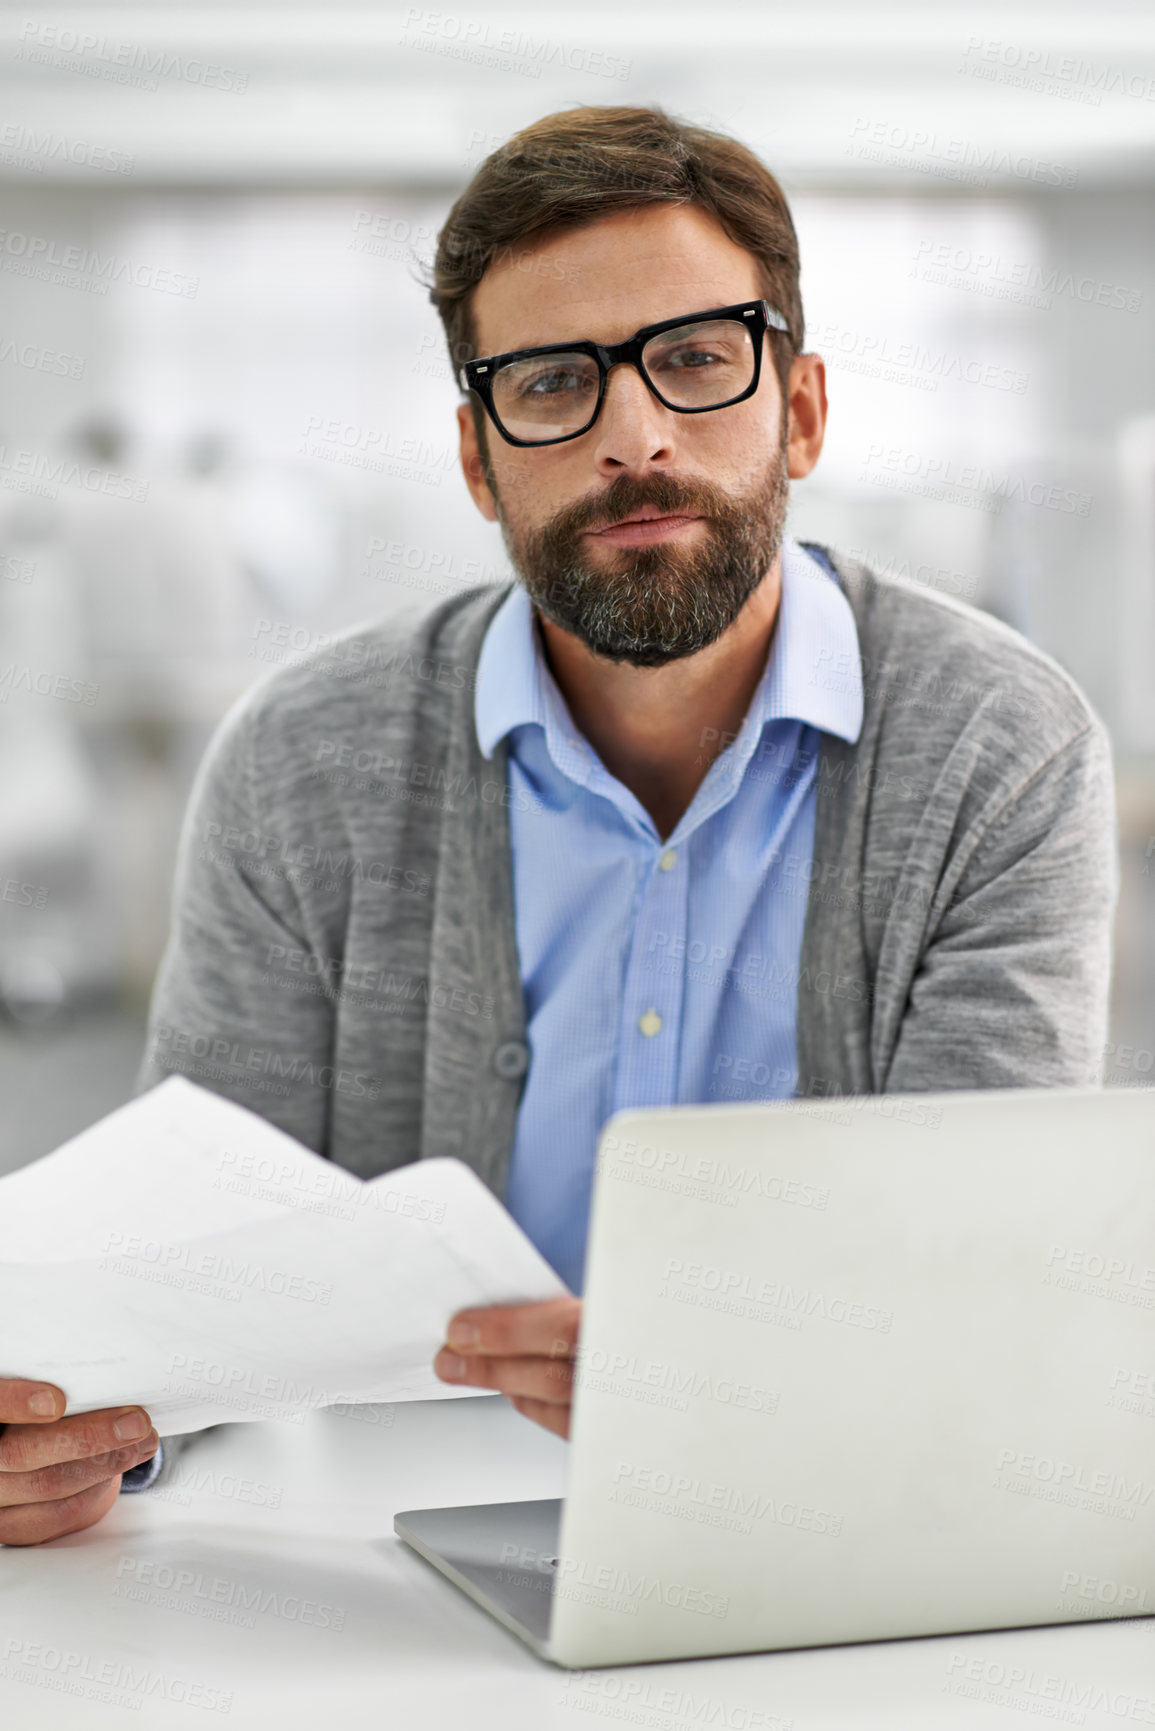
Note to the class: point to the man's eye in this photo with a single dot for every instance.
(686, 359)
(556, 382)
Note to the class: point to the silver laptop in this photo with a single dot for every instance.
(849, 1371)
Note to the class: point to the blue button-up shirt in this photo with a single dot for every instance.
(657, 972)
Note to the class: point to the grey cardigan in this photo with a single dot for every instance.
(343, 957)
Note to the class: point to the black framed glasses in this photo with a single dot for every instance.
(692, 364)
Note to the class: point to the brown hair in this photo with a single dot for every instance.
(569, 169)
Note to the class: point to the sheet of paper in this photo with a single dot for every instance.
(185, 1255)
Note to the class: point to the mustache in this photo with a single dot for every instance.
(626, 496)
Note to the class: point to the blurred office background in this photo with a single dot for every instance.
(226, 418)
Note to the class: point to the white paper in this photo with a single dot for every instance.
(186, 1256)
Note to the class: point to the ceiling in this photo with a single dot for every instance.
(939, 97)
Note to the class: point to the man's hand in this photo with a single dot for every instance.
(525, 1351)
(59, 1475)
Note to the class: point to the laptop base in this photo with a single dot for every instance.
(503, 1555)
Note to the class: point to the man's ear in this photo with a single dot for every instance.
(472, 466)
(807, 409)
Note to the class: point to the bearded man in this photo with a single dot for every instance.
(689, 813)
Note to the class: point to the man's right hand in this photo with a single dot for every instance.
(59, 1475)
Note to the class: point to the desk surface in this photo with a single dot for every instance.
(266, 1589)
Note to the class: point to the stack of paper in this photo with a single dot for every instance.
(186, 1256)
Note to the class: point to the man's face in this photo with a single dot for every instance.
(714, 486)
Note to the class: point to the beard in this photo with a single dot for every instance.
(651, 605)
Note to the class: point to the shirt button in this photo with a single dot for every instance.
(511, 1060)
(651, 1023)
(668, 860)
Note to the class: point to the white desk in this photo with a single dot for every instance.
(313, 1617)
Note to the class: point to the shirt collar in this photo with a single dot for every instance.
(813, 673)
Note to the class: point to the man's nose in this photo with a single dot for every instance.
(633, 426)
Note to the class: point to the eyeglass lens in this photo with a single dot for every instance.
(693, 366)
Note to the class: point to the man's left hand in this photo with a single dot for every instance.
(524, 1351)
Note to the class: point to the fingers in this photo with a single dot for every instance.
(540, 1379)
(27, 1447)
(24, 1402)
(524, 1351)
(34, 1523)
(518, 1330)
(542, 1412)
(59, 1475)
(62, 1482)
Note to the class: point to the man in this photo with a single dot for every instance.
(691, 813)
